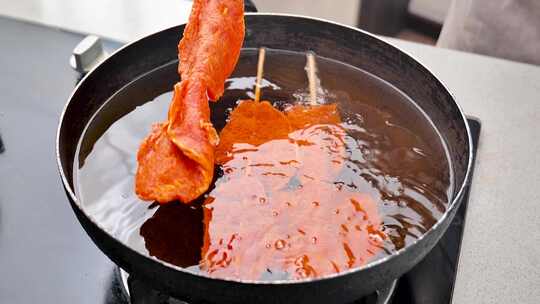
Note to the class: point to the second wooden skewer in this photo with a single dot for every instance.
(260, 68)
(311, 70)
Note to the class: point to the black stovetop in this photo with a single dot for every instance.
(45, 256)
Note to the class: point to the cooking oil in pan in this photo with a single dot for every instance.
(394, 155)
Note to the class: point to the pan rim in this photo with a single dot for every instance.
(454, 203)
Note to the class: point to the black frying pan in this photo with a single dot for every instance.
(287, 32)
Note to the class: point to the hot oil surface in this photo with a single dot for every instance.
(393, 154)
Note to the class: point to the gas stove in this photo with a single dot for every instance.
(45, 253)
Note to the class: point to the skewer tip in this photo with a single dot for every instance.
(260, 69)
(311, 70)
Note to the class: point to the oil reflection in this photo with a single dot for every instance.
(175, 234)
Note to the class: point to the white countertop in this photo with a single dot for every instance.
(127, 20)
(500, 254)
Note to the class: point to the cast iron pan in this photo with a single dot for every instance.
(295, 33)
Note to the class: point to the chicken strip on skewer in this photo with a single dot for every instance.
(176, 161)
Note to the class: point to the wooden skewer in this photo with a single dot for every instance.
(311, 70)
(260, 68)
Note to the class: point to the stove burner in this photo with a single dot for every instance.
(136, 292)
